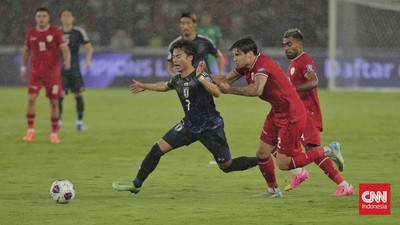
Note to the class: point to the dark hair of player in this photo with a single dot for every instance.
(67, 10)
(42, 9)
(245, 44)
(189, 15)
(188, 47)
(295, 33)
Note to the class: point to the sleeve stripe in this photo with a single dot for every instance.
(83, 33)
(262, 74)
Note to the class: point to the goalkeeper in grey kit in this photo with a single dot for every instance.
(202, 122)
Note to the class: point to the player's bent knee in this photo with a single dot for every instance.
(156, 151)
(282, 165)
(32, 98)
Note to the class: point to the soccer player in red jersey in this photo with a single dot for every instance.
(42, 43)
(285, 122)
(303, 76)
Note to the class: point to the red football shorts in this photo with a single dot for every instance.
(311, 134)
(51, 83)
(286, 137)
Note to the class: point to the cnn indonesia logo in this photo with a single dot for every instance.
(374, 199)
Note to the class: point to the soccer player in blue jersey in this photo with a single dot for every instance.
(202, 122)
(72, 79)
(205, 46)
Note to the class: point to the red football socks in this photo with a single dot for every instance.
(30, 118)
(54, 124)
(267, 169)
(305, 158)
(327, 166)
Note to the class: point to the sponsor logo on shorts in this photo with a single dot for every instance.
(179, 127)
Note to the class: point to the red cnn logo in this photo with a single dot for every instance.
(374, 199)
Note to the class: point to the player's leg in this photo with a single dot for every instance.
(65, 87)
(60, 110)
(30, 118)
(53, 92)
(77, 87)
(343, 187)
(34, 86)
(289, 154)
(268, 141)
(215, 141)
(300, 174)
(176, 137)
(267, 169)
(79, 108)
(312, 140)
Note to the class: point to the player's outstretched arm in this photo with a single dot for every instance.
(252, 90)
(138, 86)
(205, 80)
(229, 78)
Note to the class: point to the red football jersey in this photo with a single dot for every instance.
(44, 46)
(286, 104)
(297, 70)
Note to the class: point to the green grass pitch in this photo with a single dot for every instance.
(185, 188)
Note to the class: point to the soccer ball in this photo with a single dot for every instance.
(62, 191)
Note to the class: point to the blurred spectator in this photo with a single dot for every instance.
(153, 22)
(213, 31)
(210, 30)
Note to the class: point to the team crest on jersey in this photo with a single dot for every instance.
(49, 38)
(309, 67)
(292, 70)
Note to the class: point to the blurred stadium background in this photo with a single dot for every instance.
(354, 42)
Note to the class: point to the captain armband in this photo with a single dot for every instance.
(202, 76)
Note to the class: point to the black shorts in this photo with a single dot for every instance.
(213, 139)
(72, 80)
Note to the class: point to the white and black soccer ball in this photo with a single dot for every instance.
(62, 191)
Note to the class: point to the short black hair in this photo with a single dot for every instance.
(67, 10)
(295, 33)
(189, 15)
(188, 47)
(42, 9)
(245, 44)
